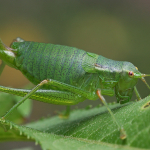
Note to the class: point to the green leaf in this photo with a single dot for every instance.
(89, 129)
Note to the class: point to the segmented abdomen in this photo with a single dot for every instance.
(39, 61)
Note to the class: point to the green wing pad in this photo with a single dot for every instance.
(89, 61)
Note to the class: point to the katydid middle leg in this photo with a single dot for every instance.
(122, 132)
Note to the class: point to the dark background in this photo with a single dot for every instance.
(118, 30)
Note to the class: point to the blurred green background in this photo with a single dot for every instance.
(118, 30)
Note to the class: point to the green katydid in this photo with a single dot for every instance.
(66, 75)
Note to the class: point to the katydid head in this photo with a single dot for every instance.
(128, 79)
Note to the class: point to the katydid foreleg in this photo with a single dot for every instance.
(137, 93)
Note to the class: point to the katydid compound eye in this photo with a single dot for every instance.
(131, 74)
